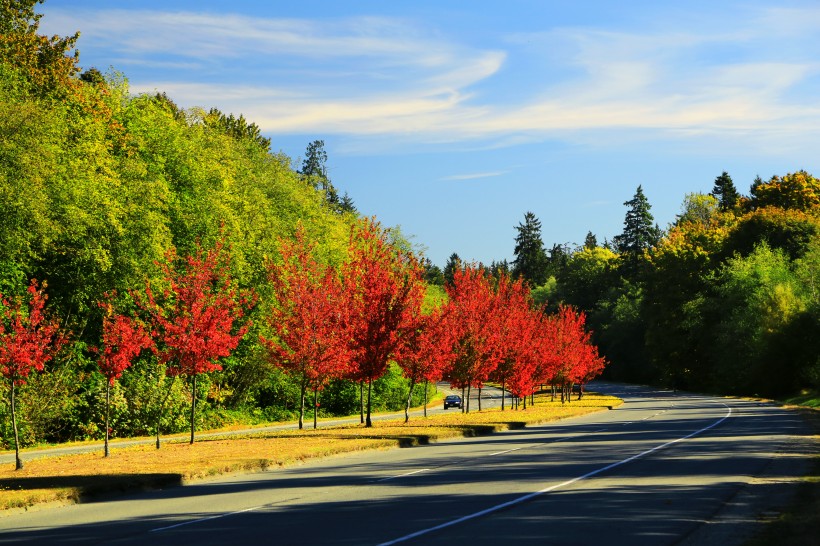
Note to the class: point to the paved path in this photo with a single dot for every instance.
(490, 397)
(654, 471)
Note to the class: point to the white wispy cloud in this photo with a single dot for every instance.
(385, 76)
(473, 176)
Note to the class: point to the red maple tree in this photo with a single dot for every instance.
(123, 338)
(385, 290)
(573, 357)
(199, 317)
(309, 321)
(424, 353)
(473, 316)
(28, 339)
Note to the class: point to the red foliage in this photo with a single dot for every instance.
(475, 320)
(310, 319)
(385, 290)
(200, 317)
(427, 348)
(27, 338)
(27, 341)
(123, 338)
(573, 357)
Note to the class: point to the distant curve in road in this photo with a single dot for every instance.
(653, 471)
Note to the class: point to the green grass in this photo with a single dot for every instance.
(806, 398)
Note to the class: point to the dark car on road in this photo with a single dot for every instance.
(452, 401)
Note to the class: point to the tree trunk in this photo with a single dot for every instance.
(315, 405)
(18, 462)
(361, 401)
(463, 399)
(580, 390)
(503, 392)
(302, 390)
(469, 390)
(525, 401)
(425, 399)
(193, 405)
(409, 398)
(368, 422)
(479, 398)
(107, 408)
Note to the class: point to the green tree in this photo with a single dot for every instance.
(432, 272)
(530, 258)
(237, 127)
(314, 172)
(799, 191)
(590, 241)
(46, 63)
(453, 264)
(725, 192)
(639, 232)
(699, 208)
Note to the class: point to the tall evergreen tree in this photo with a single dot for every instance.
(530, 258)
(314, 172)
(591, 241)
(639, 231)
(453, 264)
(432, 272)
(725, 191)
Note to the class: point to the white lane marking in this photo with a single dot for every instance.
(529, 496)
(200, 520)
(403, 475)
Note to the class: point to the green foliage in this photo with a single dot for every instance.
(799, 191)
(530, 258)
(639, 234)
(725, 193)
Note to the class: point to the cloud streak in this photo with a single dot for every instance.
(377, 76)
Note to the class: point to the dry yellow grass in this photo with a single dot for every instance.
(71, 477)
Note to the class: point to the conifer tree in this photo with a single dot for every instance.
(639, 231)
(725, 191)
(530, 258)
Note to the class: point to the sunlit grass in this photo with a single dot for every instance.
(69, 478)
(806, 398)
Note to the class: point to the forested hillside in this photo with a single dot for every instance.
(97, 185)
(725, 300)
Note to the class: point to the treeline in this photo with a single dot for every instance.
(162, 269)
(96, 186)
(724, 300)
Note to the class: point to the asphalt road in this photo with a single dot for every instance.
(654, 471)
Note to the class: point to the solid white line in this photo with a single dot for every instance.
(525, 498)
(403, 475)
(217, 516)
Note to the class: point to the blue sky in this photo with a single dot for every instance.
(453, 119)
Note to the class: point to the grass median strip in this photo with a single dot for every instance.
(71, 478)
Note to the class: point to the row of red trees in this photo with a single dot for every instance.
(322, 323)
(351, 324)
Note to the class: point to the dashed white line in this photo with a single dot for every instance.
(525, 498)
(200, 520)
(403, 475)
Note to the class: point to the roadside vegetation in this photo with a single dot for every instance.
(71, 478)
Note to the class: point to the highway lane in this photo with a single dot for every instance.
(650, 472)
